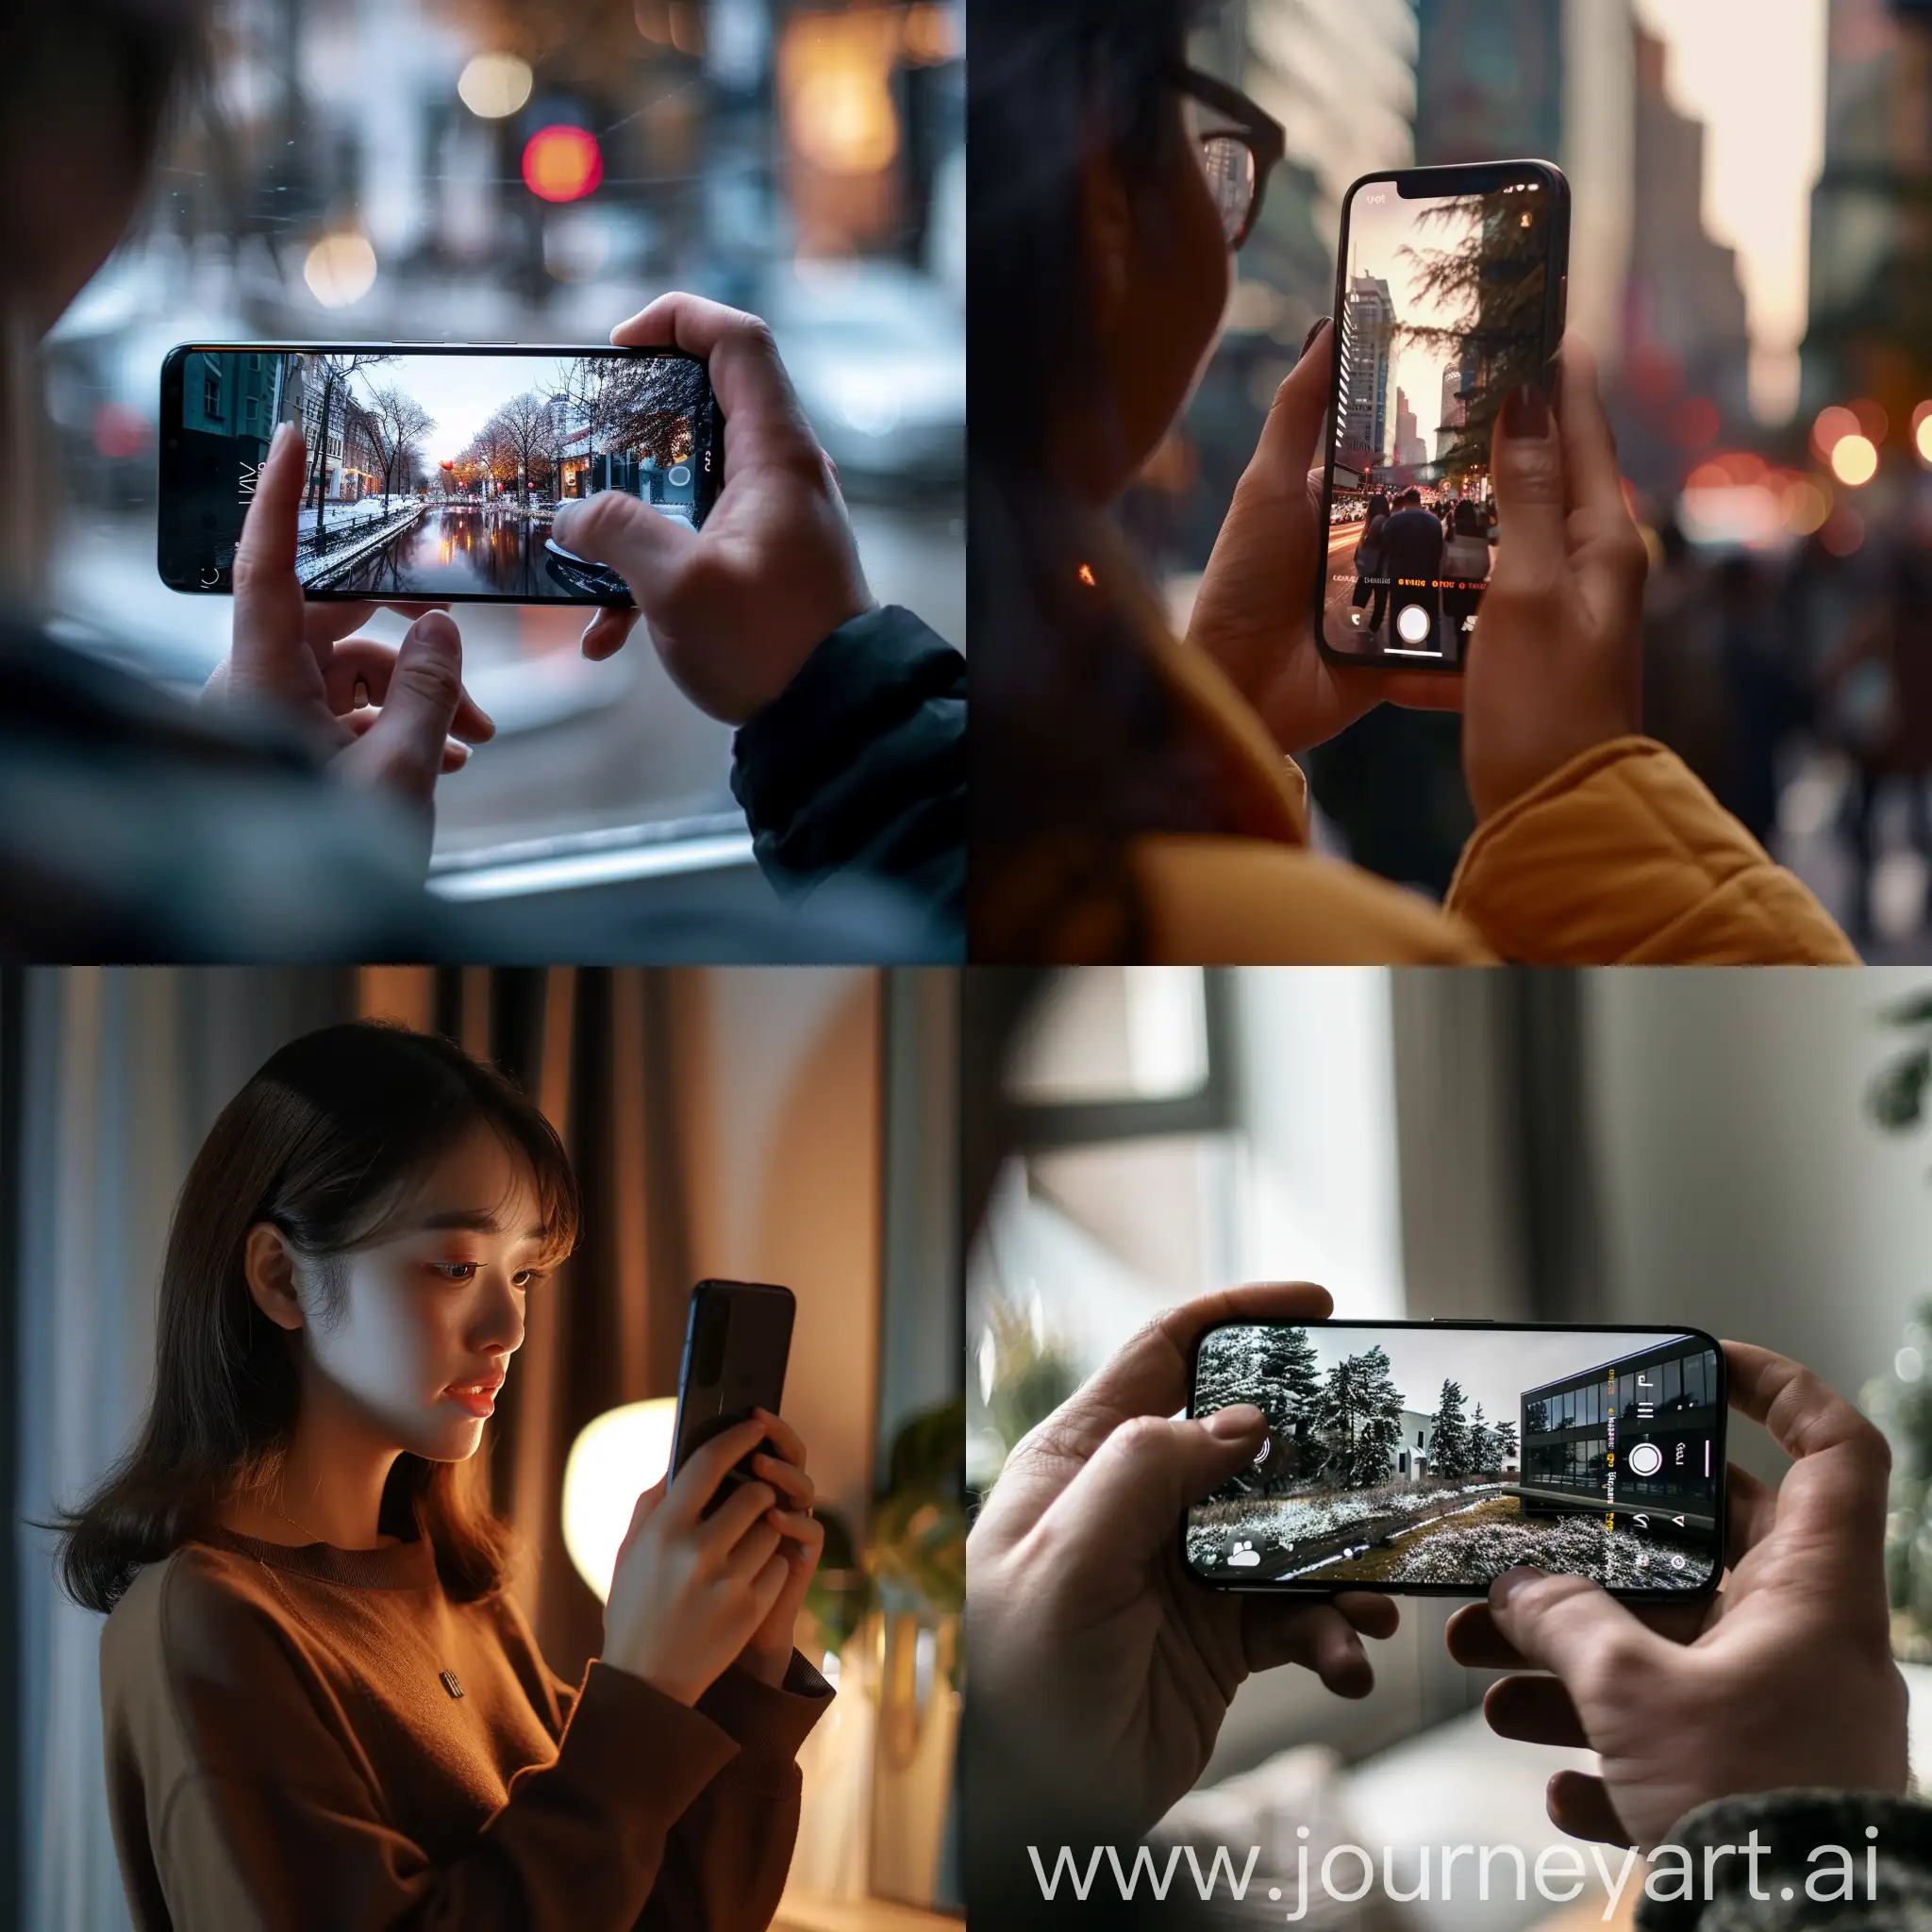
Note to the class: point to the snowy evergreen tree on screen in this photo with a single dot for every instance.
(1360, 1420)
(1482, 1444)
(1450, 1450)
(1504, 1433)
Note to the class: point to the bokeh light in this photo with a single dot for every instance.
(1843, 533)
(1922, 432)
(494, 85)
(340, 269)
(1854, 461)
(562, 163)
(1874, 423)
(1832, 426)
(1806, 505)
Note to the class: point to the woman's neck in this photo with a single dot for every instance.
(329, 1487)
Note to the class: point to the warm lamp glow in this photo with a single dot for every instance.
(562, 163)
(340, 269)
(1922, 432)
(494, 85)
(612, 1463)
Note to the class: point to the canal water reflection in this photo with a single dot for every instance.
(459, 550)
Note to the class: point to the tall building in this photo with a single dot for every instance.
(1871, 311)
(1687, 369)
(1497, 79)
(1412, 452)
(1368, 330)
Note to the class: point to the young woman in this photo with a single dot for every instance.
(1134, 796)
(323, 1707)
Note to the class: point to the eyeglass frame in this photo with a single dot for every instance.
(1263, 135)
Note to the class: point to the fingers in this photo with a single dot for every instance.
(1534, 1711)
(1527, 461)
(1322, 1638)
(786, 1443)
(1750, 1511)
(607, 632)
(1128, 1499)
(1475, 1641)
(1565, 1623)
(403, 749)
(697, 1481)
(734, 1517)
(456, 755)
(1293, 430)
(324, 619)
(1580, 1805)
(641, 1511)
(266, 552)
(358, 672)
(1594, 477)
(789, 1481)
(747, 377)
(644, 547)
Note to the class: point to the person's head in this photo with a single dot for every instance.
(1378, 506)
(360, 1230)
(1469, 520)
(1098, 264)
(1412, 499)
(86, 87)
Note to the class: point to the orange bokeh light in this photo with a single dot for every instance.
(1831, 428)
(562, 163)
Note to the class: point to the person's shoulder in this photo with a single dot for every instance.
(199, 1610)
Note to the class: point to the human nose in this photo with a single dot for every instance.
(501, 1320)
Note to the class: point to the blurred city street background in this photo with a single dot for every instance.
(1752, 262)
(533, 172)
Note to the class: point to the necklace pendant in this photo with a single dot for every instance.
(448, 1680)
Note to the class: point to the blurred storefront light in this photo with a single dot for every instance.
(1832, 426)
(340, 269)
(1855, 461)
(494, 85)
(562, 163)
(838, 92)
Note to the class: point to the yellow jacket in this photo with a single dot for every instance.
(1621, 857)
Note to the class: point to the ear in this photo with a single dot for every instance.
(269, 1263)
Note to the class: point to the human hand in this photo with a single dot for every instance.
(1254, 612)
(768, 1652)
(1089, 1641)
(734, 608)
(395, 716)
(1784, 1678)
(690, 1591)
(1555, 664)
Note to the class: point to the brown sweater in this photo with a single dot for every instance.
(284, 1753)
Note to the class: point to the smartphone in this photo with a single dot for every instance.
(1427, 1457)
(433, 472)
(737, 1340)
(1452, 291)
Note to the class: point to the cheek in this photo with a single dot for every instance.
(385, 1347)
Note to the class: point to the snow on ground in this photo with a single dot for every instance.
(1476, 1553)
(1287, 1519)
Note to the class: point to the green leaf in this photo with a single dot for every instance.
(1897, 1099)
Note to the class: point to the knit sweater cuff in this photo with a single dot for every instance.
(630, 1744)
(768, 1721)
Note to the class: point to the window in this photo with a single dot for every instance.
(592, 761)
(1670, 1386)
(210, 392)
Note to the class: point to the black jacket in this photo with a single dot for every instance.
(136, 826)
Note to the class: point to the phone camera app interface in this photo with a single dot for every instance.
(430, 475)
(1442, 315)
(1445, 1457)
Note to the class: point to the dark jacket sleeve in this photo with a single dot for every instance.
(1827, 1859)
(858, 768)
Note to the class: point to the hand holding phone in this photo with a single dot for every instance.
(737, 606)
(1100, 1669)
(1784, 1681)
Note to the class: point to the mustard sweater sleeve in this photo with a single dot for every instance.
(1622, 857)
(264, 1809)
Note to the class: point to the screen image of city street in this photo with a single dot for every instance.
(436, 476)
(1441, 1458)
(1443, 316)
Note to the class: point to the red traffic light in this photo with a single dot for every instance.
(562, 163)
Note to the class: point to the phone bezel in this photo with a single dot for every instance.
(1430, 184)
(710, 474)
(1292, 1587)
(779, 1296)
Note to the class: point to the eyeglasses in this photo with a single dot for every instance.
(1237, 160)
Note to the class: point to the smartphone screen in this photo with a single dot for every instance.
(1452, 290)
(1420, 1457)
(431, 473)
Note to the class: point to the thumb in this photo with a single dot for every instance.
(1526, 460)
(615, 528)
(1286, 451)
(403, 749)
(1563, 1623)
(1132, 1492)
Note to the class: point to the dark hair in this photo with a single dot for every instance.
(1411, 497)
(1469, 520)
(1378, 506)
(324, 1143)
(1077, 739)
